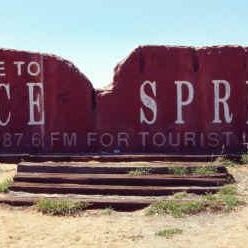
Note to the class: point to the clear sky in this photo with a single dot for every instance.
(96, 34)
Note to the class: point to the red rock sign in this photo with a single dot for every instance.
(178, 99)
(162, 99)
(46, 104)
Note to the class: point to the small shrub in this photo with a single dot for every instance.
(108, 211)
(4, 185)
(244, 158)
(132, 237)
(225, 161)
(228, 190)
(209, 197)
(213, 203)
(225, 200)
(61, 207)
(176, 208)
(205, 170)
(220, 202)
(178, 170)
(169, 233)
(230, 202)
(180, 195)
(140, 172)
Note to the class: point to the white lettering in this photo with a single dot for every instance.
(54, 137)
(143, 137)
(213, 139)
(177, 141)
(189, 137)
(19, 65)
(33, 68)
(7, 90)
(159, 139)
(2, 69)
(36, 104)
(69, 139)
(227, 137)
(90, 138)
(36, 140)
(180, 102)
(149, 102)
(106, 139)
(122, 137)
(218, 100)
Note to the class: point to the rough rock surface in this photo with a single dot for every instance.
(118, 109)
(162, 99)
(223, 63)
(67, 103)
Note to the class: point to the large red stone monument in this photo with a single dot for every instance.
(46, 104)
(180, 100)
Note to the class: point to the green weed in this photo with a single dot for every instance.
(205, 170)
(61, 207)
(4, 185)
(140, 172)
(169, 232)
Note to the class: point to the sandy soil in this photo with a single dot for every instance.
(27, 228)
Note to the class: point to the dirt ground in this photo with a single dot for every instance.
(25, 227)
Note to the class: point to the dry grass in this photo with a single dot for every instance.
(28, 228)
(62, 207)
(140, 171)
(181, 205)
(169, 232)
(4, 185)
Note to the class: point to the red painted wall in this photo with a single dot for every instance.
(162, 99)
(67, 100)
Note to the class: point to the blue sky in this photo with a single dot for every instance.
(96, 34)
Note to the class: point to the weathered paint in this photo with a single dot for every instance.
(180, 100)
(63, 107)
